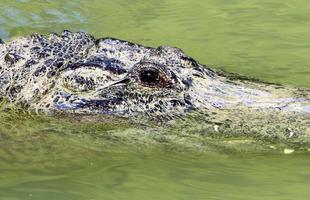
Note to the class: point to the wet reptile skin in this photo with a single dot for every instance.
(76, 73)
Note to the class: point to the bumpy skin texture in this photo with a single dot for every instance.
(73, 72)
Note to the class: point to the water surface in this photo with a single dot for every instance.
(48, 158)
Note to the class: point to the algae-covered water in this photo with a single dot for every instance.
(53, 158)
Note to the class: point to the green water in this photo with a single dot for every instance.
(50, 158)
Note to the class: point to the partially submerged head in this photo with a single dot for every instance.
(109, 76)
(75, 73)
(156, 84)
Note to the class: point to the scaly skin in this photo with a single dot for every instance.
(75, 73)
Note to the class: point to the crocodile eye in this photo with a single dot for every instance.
(153, 78)
(149, 77)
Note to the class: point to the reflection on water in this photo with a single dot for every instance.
(44, 158)
(60, 158)
(115, 176)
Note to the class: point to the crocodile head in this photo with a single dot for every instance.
(73, 72)
(156, 82)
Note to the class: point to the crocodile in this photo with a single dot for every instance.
(78, 74)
